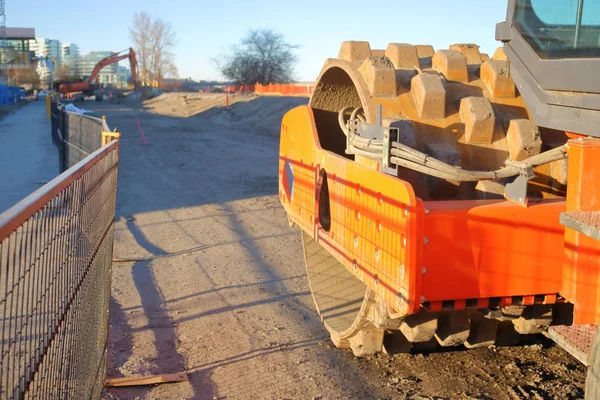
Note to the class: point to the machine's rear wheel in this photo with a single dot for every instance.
(342, 301)
(459, 107)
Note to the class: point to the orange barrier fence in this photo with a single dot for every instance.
(240, 89)
(285, 89)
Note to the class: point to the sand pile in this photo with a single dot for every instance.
(185, 105)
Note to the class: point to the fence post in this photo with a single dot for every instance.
(48, 106)
(108, 136)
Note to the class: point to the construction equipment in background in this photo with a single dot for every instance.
(90, 86)
(430, 187)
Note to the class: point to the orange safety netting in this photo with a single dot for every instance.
(285, 88)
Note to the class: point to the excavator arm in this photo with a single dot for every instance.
(115, 58)
(87, 86)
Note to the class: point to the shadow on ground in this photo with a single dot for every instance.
(175, 203)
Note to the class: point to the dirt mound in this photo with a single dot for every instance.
(185, 105)
(132, 99)
(263, 113)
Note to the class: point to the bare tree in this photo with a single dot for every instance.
(63, 73)
(163, 39)
(139, 33)
(27, 77)
(263, 56)
(153, 41)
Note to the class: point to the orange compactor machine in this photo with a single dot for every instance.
(452, 198)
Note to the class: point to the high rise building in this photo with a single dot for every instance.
(71, 58)
(89, 61)
(15, 53)
(49, 54)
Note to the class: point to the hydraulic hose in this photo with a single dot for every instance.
(408, 157)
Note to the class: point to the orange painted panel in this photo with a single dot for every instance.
(480, 249)
(380, 232)
(374, 216)
(581, 277)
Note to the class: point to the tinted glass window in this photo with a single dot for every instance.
(560, 28)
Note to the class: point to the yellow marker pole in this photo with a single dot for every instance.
(48, 106)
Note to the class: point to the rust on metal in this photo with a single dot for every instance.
(576, 340)
(586, 222)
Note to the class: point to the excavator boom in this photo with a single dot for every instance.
(88, 85)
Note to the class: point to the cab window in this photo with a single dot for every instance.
(560, 28)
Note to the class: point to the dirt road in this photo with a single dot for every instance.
(222, 293)
(28, 159)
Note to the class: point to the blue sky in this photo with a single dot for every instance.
(206, 29)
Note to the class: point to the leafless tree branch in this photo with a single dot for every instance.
(153, 41)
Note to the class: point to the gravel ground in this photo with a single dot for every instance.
(222, 294)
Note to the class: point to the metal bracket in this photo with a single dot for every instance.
(388, 138)
(107, 136)
(503, 32)
(517, 190)
(365, 130)
(377, 132)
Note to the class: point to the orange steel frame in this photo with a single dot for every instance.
(445, 254)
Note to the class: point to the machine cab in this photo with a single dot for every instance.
(554, 51)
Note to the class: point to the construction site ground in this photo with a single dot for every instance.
(219, 290)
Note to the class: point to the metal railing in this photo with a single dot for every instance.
(75, 135)
(55, 261)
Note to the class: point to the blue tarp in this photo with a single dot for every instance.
(9, 94)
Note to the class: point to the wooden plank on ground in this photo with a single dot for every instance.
(129, 259)
(146, 380)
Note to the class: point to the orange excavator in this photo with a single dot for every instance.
(89, 86)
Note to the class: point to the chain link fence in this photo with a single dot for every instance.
(55, 261)
(75, 135)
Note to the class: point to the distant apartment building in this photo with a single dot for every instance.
(111, 75)
(89, 61)
(16, 53)
(124, 77)
(71, 58)
(49, 56)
